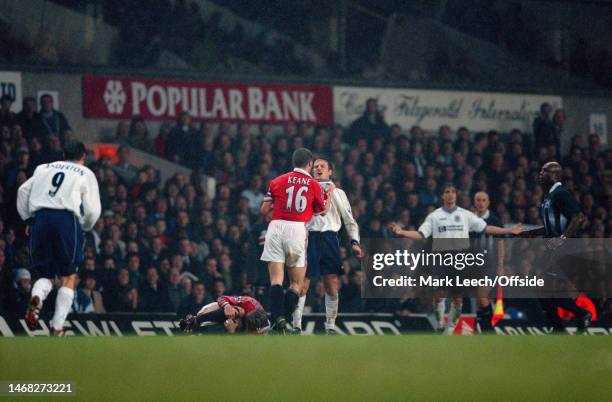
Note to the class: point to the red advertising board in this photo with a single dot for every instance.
(158, 99)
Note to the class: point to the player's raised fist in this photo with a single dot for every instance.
(394, 228)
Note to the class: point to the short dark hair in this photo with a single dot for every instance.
(448, 185)
(301, 157)
(74, 150)
(43, 96)
(6, 97)
(255, 321)
(330, 164)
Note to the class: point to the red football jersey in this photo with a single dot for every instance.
(246, 302)
(297, 196)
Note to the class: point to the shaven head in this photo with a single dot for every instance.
(481, 202)
(302, 158)
(550, 173)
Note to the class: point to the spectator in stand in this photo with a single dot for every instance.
(180, 139)
(87, 298)
(544, 131)
(195, 301)
(160, 140)
(122, 296)
(369, 126)
(126, 171)
(153, 294)
(29, 119)
(122, 134)
(53, 122)
(7, 117)
(176, 292)
(139, 135)
(19, 294)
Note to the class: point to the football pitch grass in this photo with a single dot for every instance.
(311, 368)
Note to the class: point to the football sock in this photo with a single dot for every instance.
(42, 288)
(331, 311)
(439, 309)
(297, 314)
(483, 317)
(291, 300)
(276, 301)
(217, 316)
(454, 313)
(63, 302)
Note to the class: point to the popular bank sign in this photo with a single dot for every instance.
(154, 99)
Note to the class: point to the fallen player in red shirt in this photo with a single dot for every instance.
(236, 313)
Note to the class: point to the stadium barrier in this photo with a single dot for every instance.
(122, 324)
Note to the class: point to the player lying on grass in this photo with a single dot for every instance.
(235, 313)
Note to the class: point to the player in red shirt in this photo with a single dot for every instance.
(293, 198)
(236, 313)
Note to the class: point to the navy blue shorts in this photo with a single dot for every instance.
(323, 255)
(56, 243)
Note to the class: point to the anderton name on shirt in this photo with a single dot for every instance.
(298, 180)
(68, 167)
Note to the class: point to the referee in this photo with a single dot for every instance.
(562, 218)
(451, 222)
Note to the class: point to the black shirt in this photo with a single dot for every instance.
(557, 210)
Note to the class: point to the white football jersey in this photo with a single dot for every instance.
(339, 211)
(452, 224)
(61, 185)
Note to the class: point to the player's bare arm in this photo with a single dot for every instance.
(267, 205)
(495, 230)
(410, 234)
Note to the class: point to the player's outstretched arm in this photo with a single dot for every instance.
(496, 230)
(411, 234)
(533, 232)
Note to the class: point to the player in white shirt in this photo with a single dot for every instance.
(59, 202)
(323, 252)
(451, 222)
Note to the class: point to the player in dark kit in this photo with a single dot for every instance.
(562, 218)
(236, 313)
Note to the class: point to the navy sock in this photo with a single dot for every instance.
(277, 296)
(291, 300)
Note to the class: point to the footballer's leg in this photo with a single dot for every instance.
(63, 302)
(41, 289)
(299, 310)
(331, 283)
(439, 308)
(454, 313)
(277, 294)
(292, 296)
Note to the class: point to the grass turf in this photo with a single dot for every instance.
(374, 368)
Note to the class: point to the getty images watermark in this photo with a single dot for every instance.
(524, 268)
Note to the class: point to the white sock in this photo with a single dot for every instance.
(331, 311)
(62, 307)
(299, 310)
(454, 313)
(42, 287)
(439, 310)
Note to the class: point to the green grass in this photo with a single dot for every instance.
(375, 368)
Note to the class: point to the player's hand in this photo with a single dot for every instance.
(357, 250)
(394, 228)
(230, 325)
(516, 230)
(230, 311)
(267, 198)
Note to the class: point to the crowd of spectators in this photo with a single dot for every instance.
(171, 247)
